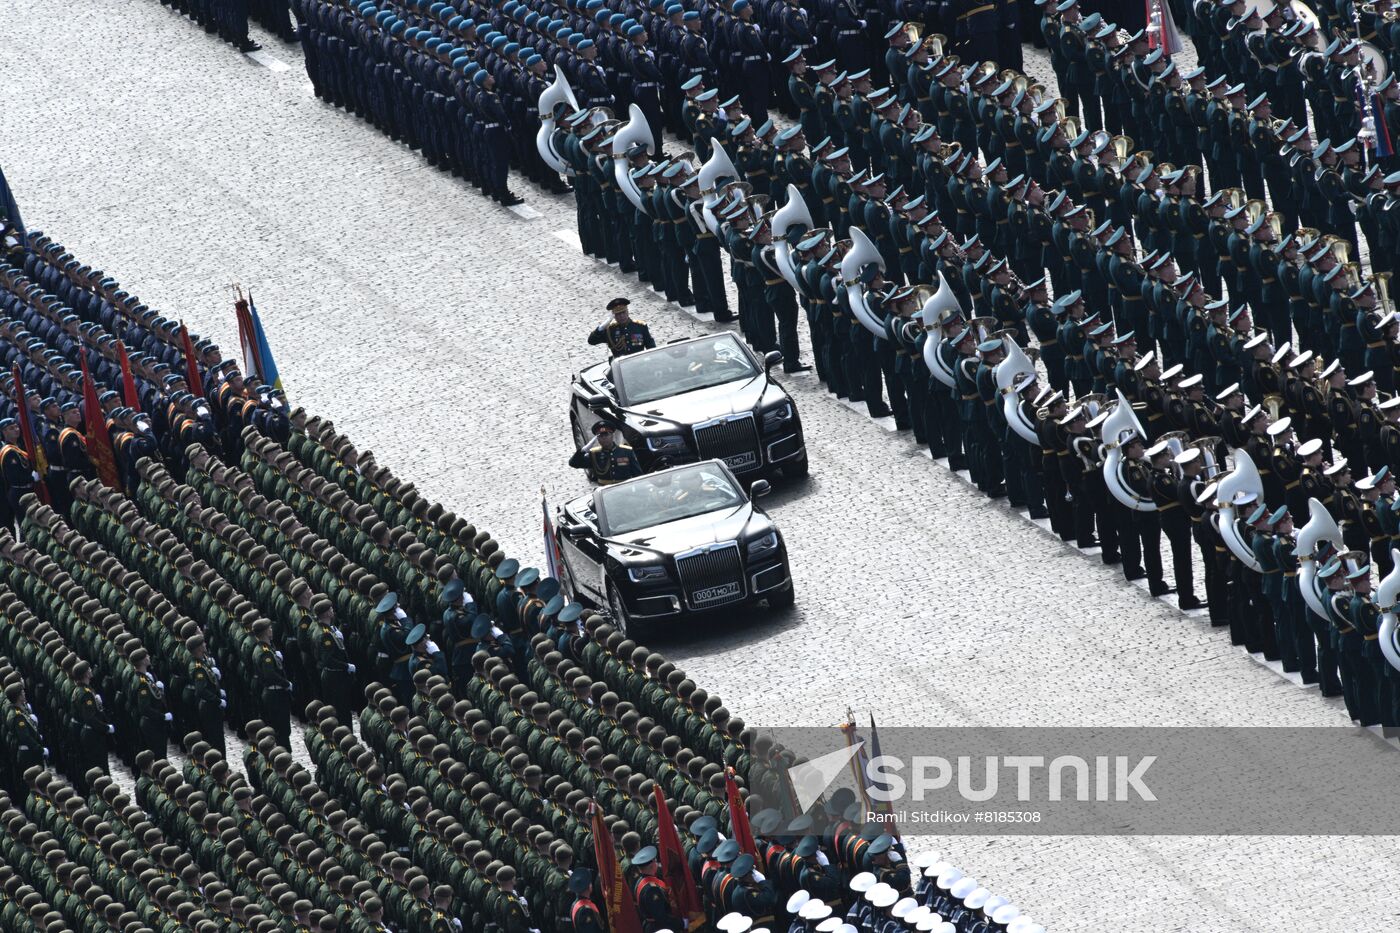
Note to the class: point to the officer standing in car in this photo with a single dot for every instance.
(606, 460)
(622, 334)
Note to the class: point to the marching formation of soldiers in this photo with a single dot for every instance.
(486, 751)
(461, 81)
(1058, 250)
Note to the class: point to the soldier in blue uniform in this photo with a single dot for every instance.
(752, 57)
(622, 334)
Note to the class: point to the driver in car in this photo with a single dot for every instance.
(608, 461)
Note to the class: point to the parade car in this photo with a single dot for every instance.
(696, 399)
(679, 542)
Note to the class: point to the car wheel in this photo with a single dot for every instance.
(783, 598)
(579, 437)
(797, 468)
(622, 621)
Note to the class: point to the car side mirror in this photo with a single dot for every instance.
(760, 487)
(573, 529)
(772, 358)
(596, 401)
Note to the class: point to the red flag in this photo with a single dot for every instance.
(247, 339)
(741, 832)
(191, 366)
(26, 432)
(617, 896)
(99, 442)
(675, 870)
(133, 401)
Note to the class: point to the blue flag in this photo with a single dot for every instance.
(266, 367)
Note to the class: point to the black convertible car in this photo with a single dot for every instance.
(707, 397)
(678, 542)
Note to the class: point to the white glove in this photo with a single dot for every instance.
(223, 704)
(36, 475)
(160, 684)
(822, 860)
(46, 753)
(111, 730)
(349, 667)
(169, 717)
(223, 694)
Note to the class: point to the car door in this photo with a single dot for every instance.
(583, 554)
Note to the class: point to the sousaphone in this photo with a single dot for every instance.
(558, 92)
(635, 131)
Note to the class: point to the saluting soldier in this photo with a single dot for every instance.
(622, 334)
(606, 460)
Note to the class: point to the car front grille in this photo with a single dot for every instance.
(733, 440)
(711, 576)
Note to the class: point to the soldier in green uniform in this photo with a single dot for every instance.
(204, 697)
(149, 701)
(606, 460)
(622, 334)
(271, 689)
(337, 671)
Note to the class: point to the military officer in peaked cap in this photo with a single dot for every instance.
(606, 459)
(622, 334)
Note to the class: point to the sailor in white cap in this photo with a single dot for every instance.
(813, 912)
(734, 922)
(882, 899)
(795, 902)
(860, 886)
(830, 925)
(903, 907)
(1006, 913)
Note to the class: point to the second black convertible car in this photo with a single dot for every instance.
(708, 397)
(678, 542)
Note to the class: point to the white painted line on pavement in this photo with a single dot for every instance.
(269, 61)
(524, 211)
(570, 237)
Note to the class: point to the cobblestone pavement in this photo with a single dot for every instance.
(441, 329)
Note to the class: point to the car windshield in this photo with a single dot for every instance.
(681, 367)
(664, 497)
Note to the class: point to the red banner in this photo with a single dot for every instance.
(741, 832)
(617, 896)
(191, 363)
(675, 869)
(133, 400)
(99, 441)
(26, 432)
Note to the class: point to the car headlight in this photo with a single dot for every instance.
(646, 574)
(775, 417)
(666, 443)
(760, 546)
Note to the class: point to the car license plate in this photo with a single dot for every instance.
(711, 593)
(741, 461)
